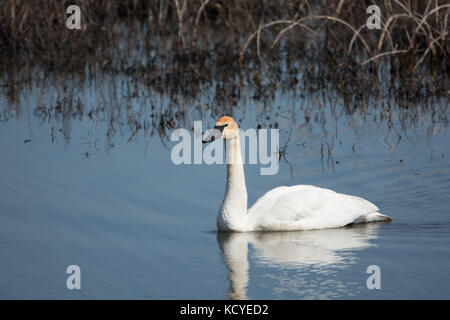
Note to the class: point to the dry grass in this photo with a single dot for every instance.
(176, 45)
(156, 61)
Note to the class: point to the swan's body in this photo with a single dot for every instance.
(300, 207)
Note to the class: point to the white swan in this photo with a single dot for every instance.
(300, 207)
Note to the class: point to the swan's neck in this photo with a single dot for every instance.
(233, 212)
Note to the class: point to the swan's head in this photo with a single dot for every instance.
(225, 128)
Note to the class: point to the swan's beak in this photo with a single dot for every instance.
(215, 133)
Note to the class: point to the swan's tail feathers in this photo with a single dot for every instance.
(377, 217)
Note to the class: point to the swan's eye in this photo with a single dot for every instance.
(221, 127)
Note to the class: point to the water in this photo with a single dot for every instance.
(81, 190)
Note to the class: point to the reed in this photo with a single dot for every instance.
(181, 45)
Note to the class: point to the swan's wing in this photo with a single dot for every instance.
(306, 207)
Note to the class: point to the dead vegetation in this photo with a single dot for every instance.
(180, 51)
(187, 35)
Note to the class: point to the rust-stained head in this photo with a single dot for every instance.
(225, 128)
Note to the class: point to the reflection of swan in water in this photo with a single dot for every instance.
(303, 250)
(299, 207)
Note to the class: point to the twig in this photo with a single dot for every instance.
(180, 12)
(428, 49)
(197, 18)
(270, 24)
(384, 54)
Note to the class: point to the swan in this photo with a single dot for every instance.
(285, 208)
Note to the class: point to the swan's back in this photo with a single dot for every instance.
(305, 207)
